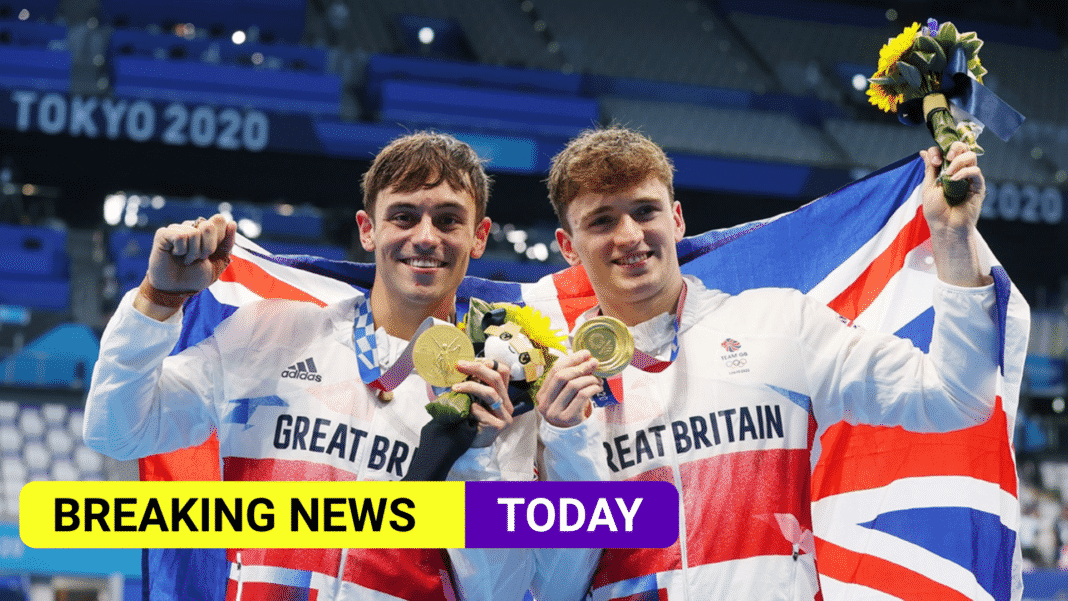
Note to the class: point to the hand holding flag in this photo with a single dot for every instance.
(186, 258)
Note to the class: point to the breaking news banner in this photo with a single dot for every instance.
(337, 515)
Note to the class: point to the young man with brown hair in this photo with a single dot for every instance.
(750, 436)
(425, 199)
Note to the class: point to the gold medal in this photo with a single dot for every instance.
(609, 341)
(436, 352)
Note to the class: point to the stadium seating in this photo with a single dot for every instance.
(780, 40)
(34, 267)
(37, 10)
(32, 34)
(385, 67)
(1049, 136)
(426, 104)
(420, 92)
(275, 20)
(225, 85)
(304, 224)
(284, 57)
(630, 41)
(145, 44)
(874, 145)
(129, 251)
(32, 251)
(216, 70)
(498, 33)
(34, 55)
(1038, 91)
(42, 442)
(724, 132)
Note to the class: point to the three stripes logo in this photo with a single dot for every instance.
(303, 370)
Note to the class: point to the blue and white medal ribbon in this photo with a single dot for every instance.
(612, 388)
(363, 339)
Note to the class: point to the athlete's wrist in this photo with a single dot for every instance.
(158, 304)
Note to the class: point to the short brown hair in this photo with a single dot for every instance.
(605, 161)
(424, 160)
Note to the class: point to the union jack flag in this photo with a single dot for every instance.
(731, 345)
(896, 515)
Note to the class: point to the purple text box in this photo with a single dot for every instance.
(609, 515)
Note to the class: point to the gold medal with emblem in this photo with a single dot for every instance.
(609, 341)
(436, 352)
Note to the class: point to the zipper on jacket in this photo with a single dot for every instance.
(340, 575)
(239, 578)
(676, 474)
(797, 567)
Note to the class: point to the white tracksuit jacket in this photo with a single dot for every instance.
(279, 382)
(735, 424)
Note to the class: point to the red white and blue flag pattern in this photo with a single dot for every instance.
(731, 345)
(896, 515)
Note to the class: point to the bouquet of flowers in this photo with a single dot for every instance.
(932, 75)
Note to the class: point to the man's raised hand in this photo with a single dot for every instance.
(186, 258)
(954, 238)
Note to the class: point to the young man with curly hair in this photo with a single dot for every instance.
(739, 442)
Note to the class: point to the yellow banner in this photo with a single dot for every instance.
(288, 515)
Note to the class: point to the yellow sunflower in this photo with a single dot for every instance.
(885, 97)
(537, 326)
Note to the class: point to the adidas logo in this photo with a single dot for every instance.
(303, 370)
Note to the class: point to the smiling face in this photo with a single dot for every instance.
(422, 241)
(626, 242)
